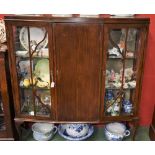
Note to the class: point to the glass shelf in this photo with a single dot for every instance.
(130, 88)
(34, 57)
(36, 88)
(111, 57)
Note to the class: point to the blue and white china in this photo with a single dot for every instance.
(116, 131)
(43, 131)
(127, 106)
(109, 95)
(75, 132)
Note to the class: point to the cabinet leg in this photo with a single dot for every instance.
(135, 127)
(18, 128)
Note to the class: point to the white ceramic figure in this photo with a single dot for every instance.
(114, 51)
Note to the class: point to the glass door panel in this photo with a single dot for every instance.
(32, 64)
(121, 69)
(2, 122)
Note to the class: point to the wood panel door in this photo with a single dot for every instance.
(78, 49)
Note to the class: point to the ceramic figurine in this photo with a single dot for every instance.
(114, 52)
(109, 95)
(127, 106)
(129, 54)
(128, 74)
(112, 75)
(115, 109)
(132, 83)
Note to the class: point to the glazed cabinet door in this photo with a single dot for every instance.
(2, 110)
(6, 131)
(124, 52)
(32, 69)
(78, 67)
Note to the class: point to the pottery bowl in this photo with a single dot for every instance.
(77, 130)
(43, 131)
(116, 131)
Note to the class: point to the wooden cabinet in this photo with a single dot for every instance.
(91, 70)
(77, 49)
(6, 128)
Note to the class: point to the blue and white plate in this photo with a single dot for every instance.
(62, 132)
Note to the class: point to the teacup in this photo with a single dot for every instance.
(116, 131)
(43, 131)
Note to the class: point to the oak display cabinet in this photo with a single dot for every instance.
(76, 69)
(6, 115)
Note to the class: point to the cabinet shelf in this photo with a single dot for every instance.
(36, 88)
(120, 58)
(34, 57)
(130, 88)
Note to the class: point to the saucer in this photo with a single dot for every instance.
(62, 132)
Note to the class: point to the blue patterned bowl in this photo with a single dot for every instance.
(62, 132)
(116, 131)
(77, 130)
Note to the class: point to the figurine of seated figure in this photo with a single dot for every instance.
(114, 52)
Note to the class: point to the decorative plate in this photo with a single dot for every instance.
(62, 132)
(36, 36)
(42, 70)
(2, 31)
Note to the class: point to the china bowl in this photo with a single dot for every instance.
(77, 130)
(116, 131)
(43, 131)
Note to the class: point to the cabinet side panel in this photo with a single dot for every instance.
(78, 71)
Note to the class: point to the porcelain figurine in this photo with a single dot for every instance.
(112, 75)
(132, 83)
(114, 52)
(109, 95)
(127, 106)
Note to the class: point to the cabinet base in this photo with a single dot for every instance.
(152, 132)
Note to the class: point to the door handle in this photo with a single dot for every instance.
(52, 79)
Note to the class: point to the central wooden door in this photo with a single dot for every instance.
(78, 49)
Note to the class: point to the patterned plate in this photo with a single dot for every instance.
(36, 36)
(62, 132)
(2, 31)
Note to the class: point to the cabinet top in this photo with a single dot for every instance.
(100, 19)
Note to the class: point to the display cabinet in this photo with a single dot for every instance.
(6, 120)
(76, 69)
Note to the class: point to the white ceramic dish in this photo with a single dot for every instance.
(36, 35)
(2, 32)
(21, 53)
(43, 131)
(116, 131)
